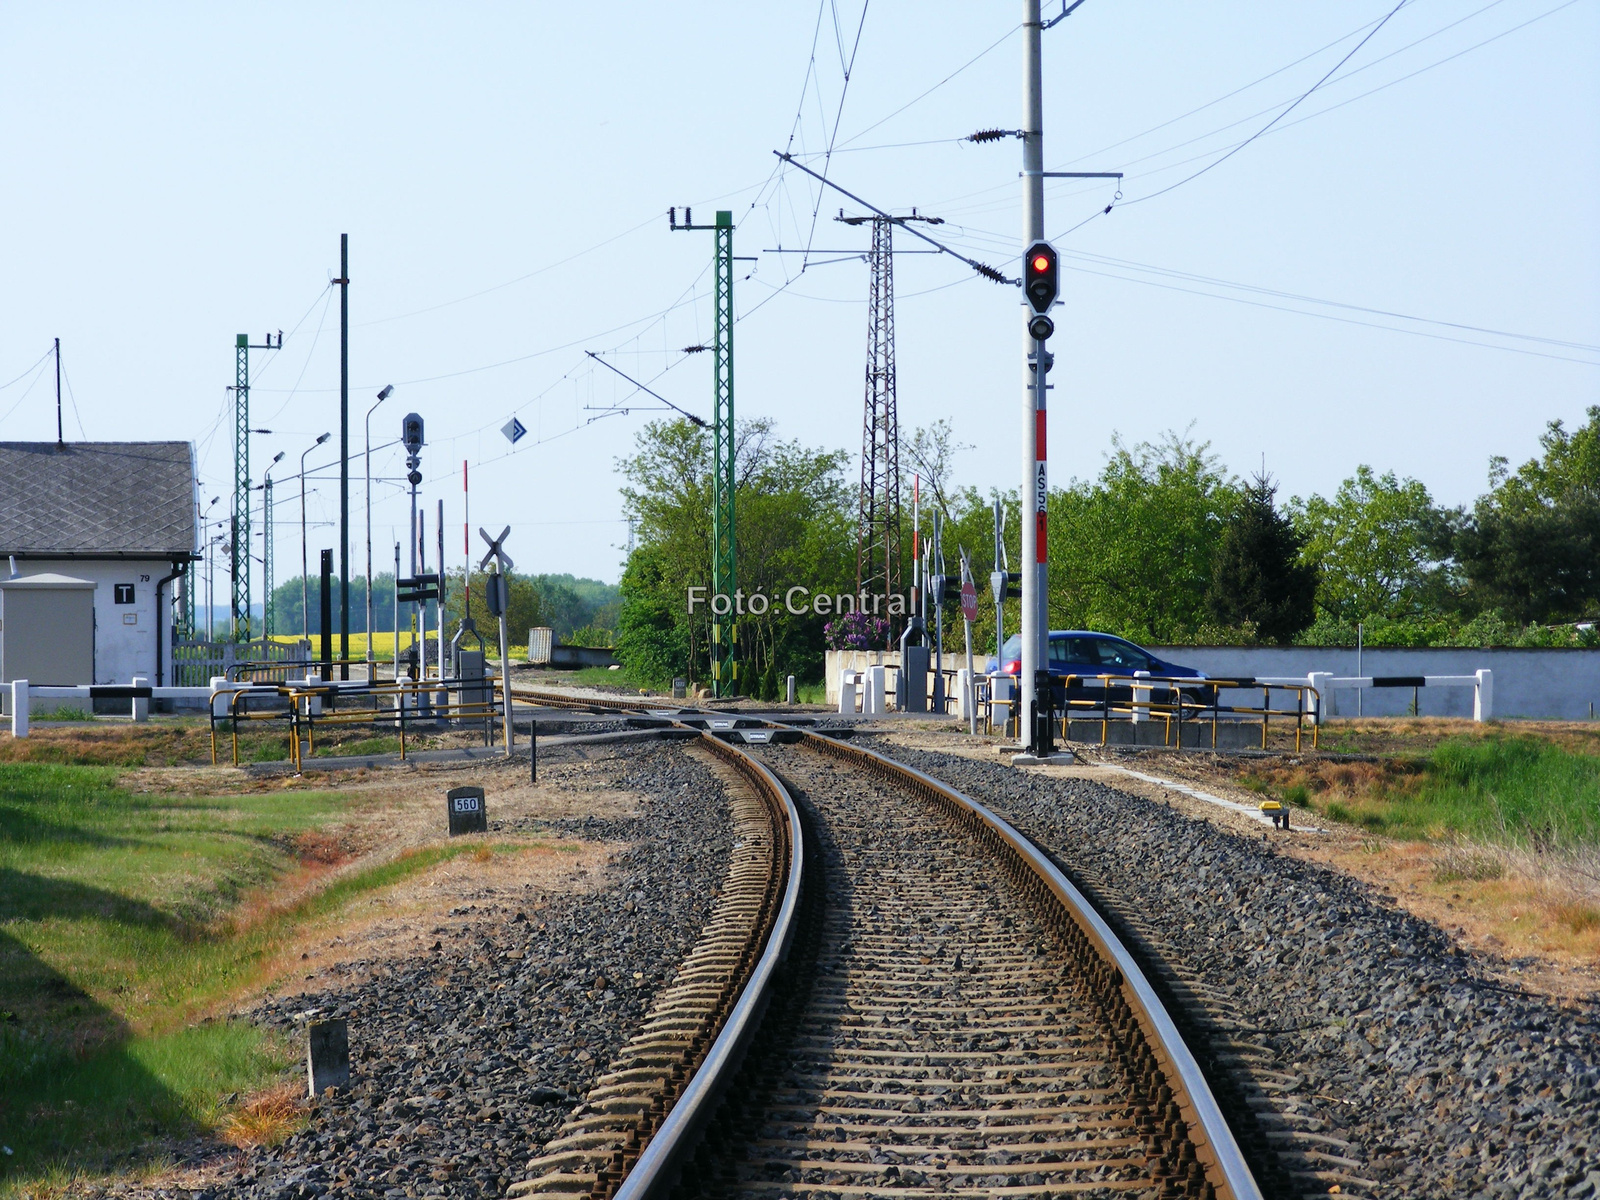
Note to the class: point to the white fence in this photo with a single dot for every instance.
(1559, 685)
(196, 663)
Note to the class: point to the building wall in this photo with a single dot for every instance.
(1546, 684)
(122, 649)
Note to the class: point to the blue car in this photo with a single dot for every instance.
(1085, 654)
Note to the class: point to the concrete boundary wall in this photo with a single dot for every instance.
(1543, 684)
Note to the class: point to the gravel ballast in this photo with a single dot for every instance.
(1374, 1055)
(465, 1062)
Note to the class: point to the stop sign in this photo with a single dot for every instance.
(969, 601)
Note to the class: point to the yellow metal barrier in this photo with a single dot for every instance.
(1172, 712)
(384, 701)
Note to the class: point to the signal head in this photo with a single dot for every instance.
(411, 432)
(1041, 327)
(1041, 271)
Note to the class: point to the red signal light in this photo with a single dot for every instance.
(1040, 263)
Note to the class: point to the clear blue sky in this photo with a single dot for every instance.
(177, 174)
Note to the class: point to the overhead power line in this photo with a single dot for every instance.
(1371, 33)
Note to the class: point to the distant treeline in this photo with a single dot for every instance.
(1163, 546)
(585, 608)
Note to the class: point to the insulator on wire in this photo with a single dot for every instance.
(695, 349)
(989, 272)
(993, 135)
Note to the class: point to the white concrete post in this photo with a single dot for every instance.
(999, 699)
(847, 692)
(1321, 705)
(141, 706)
(791, 692)
(1141, 696)
(1483, 696)
(19, 708)
(873, 702)
(963, 692)
(221, 685)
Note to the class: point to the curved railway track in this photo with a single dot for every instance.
(913, 1001)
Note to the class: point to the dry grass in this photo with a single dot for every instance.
(267, 1118)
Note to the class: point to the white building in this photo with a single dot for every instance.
(118, 514)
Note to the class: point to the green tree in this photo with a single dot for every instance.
(1132, 552)
(522, 613)
(794, 528)
(1258, 578)
(1529, 546)
(1376, 543)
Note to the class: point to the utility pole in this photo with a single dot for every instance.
(60, 442)
(266, 556)
(344, 455)
(1035, 479)
(724, 542)
(240, 556)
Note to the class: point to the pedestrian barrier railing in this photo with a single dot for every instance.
(25, 697)
(306, 705)
(1328, 685)
(1177, 702)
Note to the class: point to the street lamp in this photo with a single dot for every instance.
(382, 396)
(266, 549)
(202, 515)
(305, 595)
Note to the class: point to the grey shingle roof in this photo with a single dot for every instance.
(97, 498)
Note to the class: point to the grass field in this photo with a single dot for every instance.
(125, 919)
(1516, 790)
(383, 645)
(183, 741)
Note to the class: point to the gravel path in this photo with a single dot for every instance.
(1368, 1046)
(465, 1062)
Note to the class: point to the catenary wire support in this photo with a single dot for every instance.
(239, 559)
(724, 539)
(981, 268)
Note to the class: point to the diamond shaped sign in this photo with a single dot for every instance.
(513, 429)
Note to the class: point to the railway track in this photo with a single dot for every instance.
(932, 1009)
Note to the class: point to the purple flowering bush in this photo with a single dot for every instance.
(855, 631)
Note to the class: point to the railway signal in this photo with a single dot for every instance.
(1041, 284)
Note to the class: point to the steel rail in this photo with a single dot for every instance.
(1216, 1143)
(656, 1171)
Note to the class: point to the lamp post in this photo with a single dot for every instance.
(305, 594)
(266, 549)
(382, 396)
(211, 586)
(204, 520)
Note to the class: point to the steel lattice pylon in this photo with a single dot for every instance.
(878, 513)
(240, 556)
(724, 542)
(724, 539)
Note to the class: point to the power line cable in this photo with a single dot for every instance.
(924, 95)
(1106, 260)
(833, 134)
(1296, 104)
(1172, 287)
(48, 352)
(38, 369)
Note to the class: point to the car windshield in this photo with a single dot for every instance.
(1012, 648)
(1121, 654)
